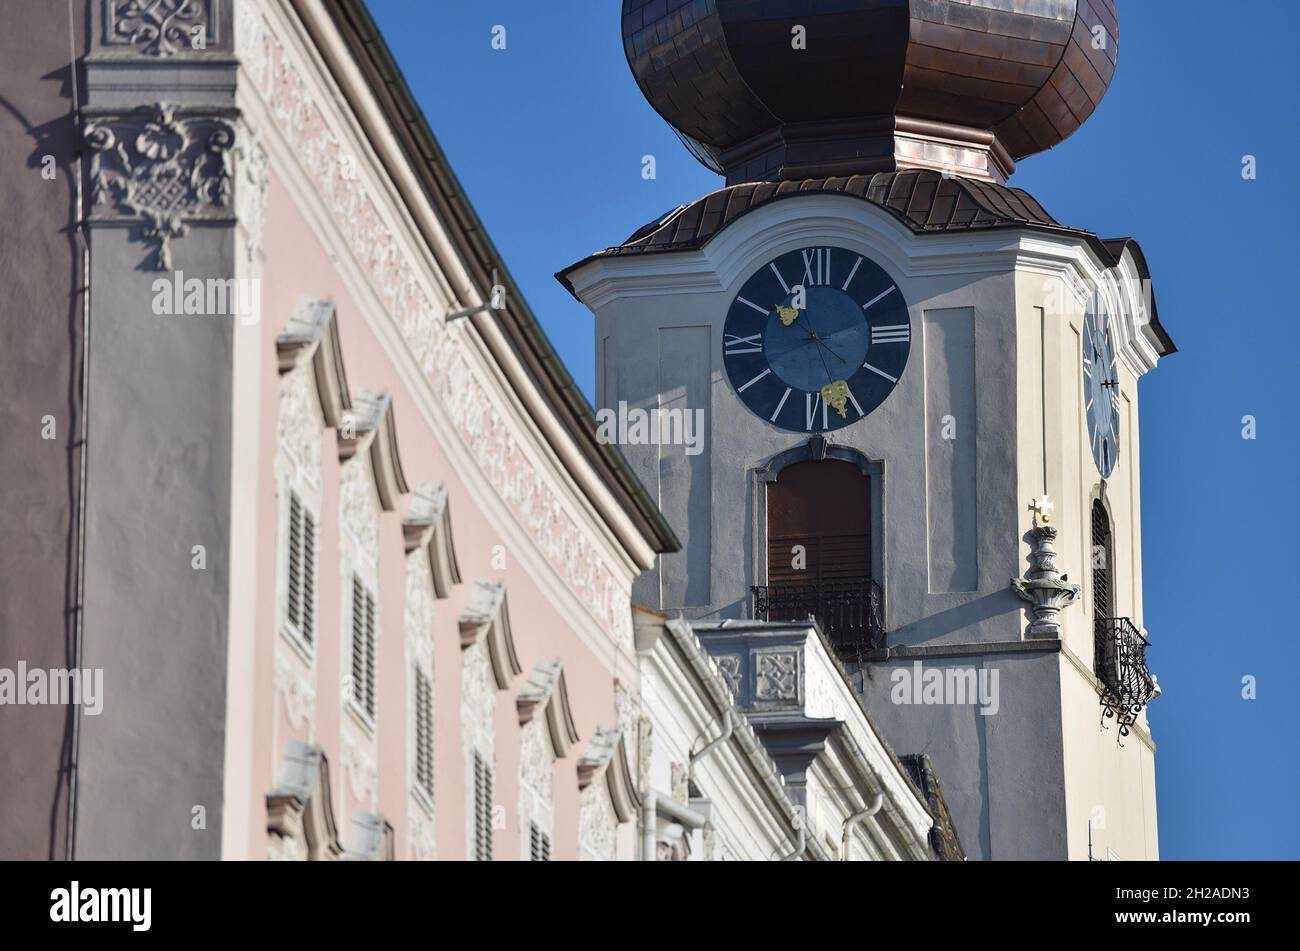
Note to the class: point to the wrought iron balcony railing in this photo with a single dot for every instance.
(848, 611)
(1126, 684)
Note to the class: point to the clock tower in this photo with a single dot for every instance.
(919, 390)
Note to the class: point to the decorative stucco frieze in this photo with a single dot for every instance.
(496, 443)
(161, 27)
(162, 167)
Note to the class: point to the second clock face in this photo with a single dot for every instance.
(816, 339)
(1101, 399)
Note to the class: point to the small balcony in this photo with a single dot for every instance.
(847, 610)
(1121, 664)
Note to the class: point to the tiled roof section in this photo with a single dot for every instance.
(943, 837)
(924, 200)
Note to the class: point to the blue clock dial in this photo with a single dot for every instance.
(816, 339)
(1101, 397)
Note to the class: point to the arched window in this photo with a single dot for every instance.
(1103, 595)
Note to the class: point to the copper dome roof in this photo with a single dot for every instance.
(967, 86)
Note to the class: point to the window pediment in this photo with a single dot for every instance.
(312, 336)
(606, 757)
(299, 808)
(546, 695)
(374, 431)
(428, 524)
(487, 618)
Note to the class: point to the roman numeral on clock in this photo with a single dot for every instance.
(892, 333)
(811, 402)
(733, 344)
(816, 266)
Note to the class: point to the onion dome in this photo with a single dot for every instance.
(769, 90)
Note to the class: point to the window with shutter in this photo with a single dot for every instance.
(300, 600)
(363, 646)
(482, 810)
(423, 731)
(1103, 599)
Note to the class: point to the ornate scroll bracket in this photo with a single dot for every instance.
(163, 167)
(161, 27)
(1044, 587)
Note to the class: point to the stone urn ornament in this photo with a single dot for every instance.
(1044, 587)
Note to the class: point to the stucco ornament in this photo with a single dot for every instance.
(295, 686)
(299, 431)
(420, 839)
(254, 177)
(597, 825)
(776, 675)
(363, 773)
(1044, 587)
(163, 167)
(161, 27)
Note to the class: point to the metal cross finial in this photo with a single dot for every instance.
(1042, 508)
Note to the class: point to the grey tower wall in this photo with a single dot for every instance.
(159, 484)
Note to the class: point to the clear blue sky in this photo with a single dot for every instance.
(547, 139)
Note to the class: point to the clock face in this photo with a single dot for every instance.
(1101, 387)
(816, 339)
